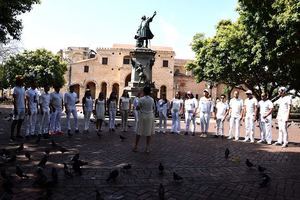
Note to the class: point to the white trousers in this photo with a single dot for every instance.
(87, 117)
(266, 130)
(74, 113)
(44, 123)
(249, 125)
(162, 121)
(220, 127)
(136, 119)
(31, 123)
(282, 134)
(188, 119)
(234, 123)
(204, 121)
(55, 120)
(112, 117)
(124, 117)
(175, 122)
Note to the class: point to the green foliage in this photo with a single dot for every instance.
(10, 24)
(40, 65)
(260, 50)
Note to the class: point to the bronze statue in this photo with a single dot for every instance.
(144, 33)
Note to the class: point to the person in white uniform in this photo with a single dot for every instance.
(249, 115)
(205, 109)
(265, 107)
(162, 108)
(112, 110)
(190, 108)
(56, 107)
(124, 106)
(100, 112)
(221, 114)
(236, 112)
(176, 110)
(19, 108)
(44, 101)
(32, 109)
(284, 102)
(87, 107)
(70, 100)
(135, 111)
(146, 107)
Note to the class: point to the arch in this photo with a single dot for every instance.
(116, 89)
(92, 87)
(104, 89)
(127, 79)
(76, 87)
(163, 91)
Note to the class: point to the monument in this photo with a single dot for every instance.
(142, 59)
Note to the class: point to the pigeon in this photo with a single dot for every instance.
(62, 149)
(47, 151)
(67, 171)
(265, 180)
(260, 168)
(122, 138)
(127, 166)
(43, 161)
(113, 175)
(20, 172)
(249, 164)
(98, 195)
(27, 155)
(227, 153)
(75, 157)
(20, 148)
(161, 169)
(4, 152)
(81, 162)
(53, 143)
(176, 177)
(41, 178)
(76, 168)
(161, 192)
(13, 158)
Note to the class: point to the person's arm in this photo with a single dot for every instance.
(243, 111)
(28, 104)
(270, 111)
(120, 103)
(41, 104)
(15, 102)
(255, 111)
(289, 109)
(153, 15)
(83, 103)
(226, 113)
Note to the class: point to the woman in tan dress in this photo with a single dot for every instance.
(145, 108)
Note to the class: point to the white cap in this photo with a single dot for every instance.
(282, 89)
(206, 90)
(189, 92)
(248, 92)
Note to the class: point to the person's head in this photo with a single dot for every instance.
(163, 96)
(189, 95)
(113, 95)
(71, 88)
(206, 93)
(19, 80)
(177, 95)
(32, 83)
(56, 88)
(236, 94)
(223, 97)
(46, 88)
(264, 96)
(143, 17)
(282, 91)
(101, 95)
(139, 94)
(147, 90)
(249, 94)
(87, 93)
(125, 94)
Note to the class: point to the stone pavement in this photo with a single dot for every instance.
(200, 161)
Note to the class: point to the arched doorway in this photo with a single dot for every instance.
(77, 90)
(104, 89)
(127, 79)
(92, 87)
(163, 91)
(115, 88)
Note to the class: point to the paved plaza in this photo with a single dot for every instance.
(200, 161)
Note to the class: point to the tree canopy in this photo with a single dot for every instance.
(261, 50)
(10, 24)
(41, 65)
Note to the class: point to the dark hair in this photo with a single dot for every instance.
(147, 90)
(223, 95)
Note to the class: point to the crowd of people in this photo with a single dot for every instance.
(46, 108)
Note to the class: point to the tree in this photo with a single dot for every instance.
(10, 25)
(41, 65)
(260, 50)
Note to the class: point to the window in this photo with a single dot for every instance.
(165, 63)
(104, 61)
(126, 61)
(86, 69)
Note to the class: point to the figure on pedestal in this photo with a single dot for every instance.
(144, 33)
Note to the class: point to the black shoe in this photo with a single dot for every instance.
(27, 137)
(38, 139)
(46, 136)
(12, 139)
(19, 137)
(216, 136)
(113, 130)
(186, 133)
(193, 134)
(69, 133)
(76, 131)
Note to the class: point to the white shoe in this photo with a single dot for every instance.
(260, 141)
(229, 138)
(284, 145)
(269, 143)
(236, 140)
(245, 140)
(252, 141)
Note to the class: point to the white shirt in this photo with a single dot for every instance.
(146, 105)
(88, 105)
(162, 105)
(19, 93)
(250, 105)
(236, 106)
(190, 105)
(56, 100)
(284, 105)
(221, 109)
(70, 100)
(264, 108)
(205, 105)
(45, 101)
(176, 105)
(32, 98)
(124, 103)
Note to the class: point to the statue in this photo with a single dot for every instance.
(144, 33)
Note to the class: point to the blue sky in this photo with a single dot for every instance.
(57, 24)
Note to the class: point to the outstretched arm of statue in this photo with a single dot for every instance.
(153, 16)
